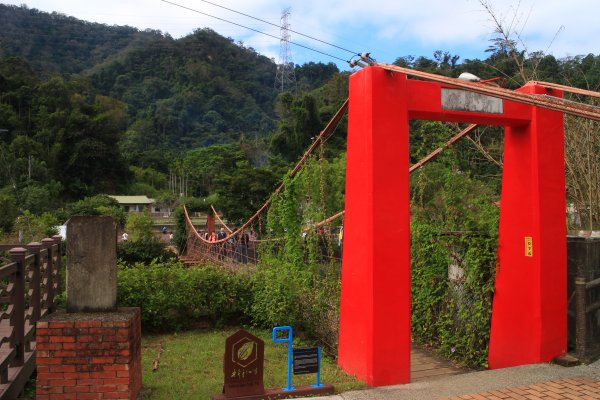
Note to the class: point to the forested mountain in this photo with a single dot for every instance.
(89, 108)
(58, 43)
(196, 91)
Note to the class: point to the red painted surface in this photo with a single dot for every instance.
(374, 342)
(529, 324)
(529, 311)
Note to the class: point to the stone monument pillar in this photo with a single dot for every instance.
(91, 264)
(94, 349)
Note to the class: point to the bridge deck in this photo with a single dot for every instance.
(426, 365)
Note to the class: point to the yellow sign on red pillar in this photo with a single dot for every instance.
(528, 246)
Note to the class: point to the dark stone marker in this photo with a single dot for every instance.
(243, 365)
(306, 360)
(91, 264)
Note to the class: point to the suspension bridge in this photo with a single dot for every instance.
(239, 246)
(374, 341)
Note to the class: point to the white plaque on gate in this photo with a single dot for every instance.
(464, 100)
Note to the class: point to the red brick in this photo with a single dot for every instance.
(68, 346)
(103, 375)
(115, 338)
(62, 368)
(47, 389)
(62, 339)
(50, 375)
(64, 396)
(48, 361)
(88, 324)
(41, 324)
(123, 374)
(102, 331)
(49, 346)
(75, 360)
(64, 382)
(88, 396)
(61, 324)
(117, 367)
(68, 353)
(91, 382)
(103, 388)
(77, 389)
(102, 360)
(116, 395)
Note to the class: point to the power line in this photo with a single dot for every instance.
(278, 26)
(252, 29)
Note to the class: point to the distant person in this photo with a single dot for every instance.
(164, 230)
(171, 238)
(223, 246)
(242, 247)
(212, 237)
(125, 236)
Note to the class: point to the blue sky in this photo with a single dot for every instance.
(386, 28)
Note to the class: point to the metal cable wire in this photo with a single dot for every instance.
(275, 25)
(254, 30)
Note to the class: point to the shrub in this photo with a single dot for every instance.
(143, 251)
(173, 297)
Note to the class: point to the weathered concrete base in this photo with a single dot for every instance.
(89, 355)
(273, 394)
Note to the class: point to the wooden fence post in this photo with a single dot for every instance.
(17, 299)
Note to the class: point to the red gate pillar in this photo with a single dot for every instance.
(529, 311)
(374, 341)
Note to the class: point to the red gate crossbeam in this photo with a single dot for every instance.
(545, 101)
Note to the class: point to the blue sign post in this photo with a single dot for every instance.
(287, 340)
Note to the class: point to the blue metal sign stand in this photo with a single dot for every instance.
(318, 383)
(287, 340)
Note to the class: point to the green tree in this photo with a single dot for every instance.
(8, 205)
(139, 226)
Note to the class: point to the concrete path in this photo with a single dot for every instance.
(538, 381)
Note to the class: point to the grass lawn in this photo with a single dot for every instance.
(191, 366)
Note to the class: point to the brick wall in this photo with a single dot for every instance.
(89, 355)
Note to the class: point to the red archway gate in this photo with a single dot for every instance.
(529, 309)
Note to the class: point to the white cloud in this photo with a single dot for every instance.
(388, 28)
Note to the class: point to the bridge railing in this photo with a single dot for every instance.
(29, 283)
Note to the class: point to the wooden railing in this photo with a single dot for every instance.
(29, 283)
